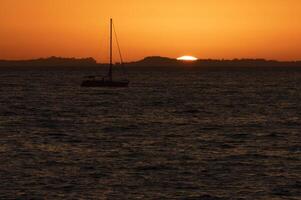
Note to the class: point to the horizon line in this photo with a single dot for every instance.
(198, 59)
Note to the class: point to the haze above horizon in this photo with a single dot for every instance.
(206, 29)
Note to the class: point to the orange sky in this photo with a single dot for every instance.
(202, 28)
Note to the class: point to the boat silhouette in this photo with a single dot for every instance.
(107, 81)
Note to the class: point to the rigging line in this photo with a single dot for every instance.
(120, 55)
(119, 50)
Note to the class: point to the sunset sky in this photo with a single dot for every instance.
(203, 28)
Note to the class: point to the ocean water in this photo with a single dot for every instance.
(173, 134)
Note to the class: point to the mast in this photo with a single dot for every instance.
(111, 51)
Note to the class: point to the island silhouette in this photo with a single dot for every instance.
(148, 62)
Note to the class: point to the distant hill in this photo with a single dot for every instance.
(157, 59)
(50, 62)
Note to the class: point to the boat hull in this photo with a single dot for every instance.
(100, 83)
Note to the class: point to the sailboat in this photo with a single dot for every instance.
(107, 81)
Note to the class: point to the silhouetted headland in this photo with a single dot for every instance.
(52, 62)
(148, 62)
(157, 61)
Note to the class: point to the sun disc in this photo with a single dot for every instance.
(187, 58)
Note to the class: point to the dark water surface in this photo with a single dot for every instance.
(180, 134)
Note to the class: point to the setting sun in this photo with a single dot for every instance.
(187, 58)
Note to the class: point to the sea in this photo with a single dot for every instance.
(187, 134)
